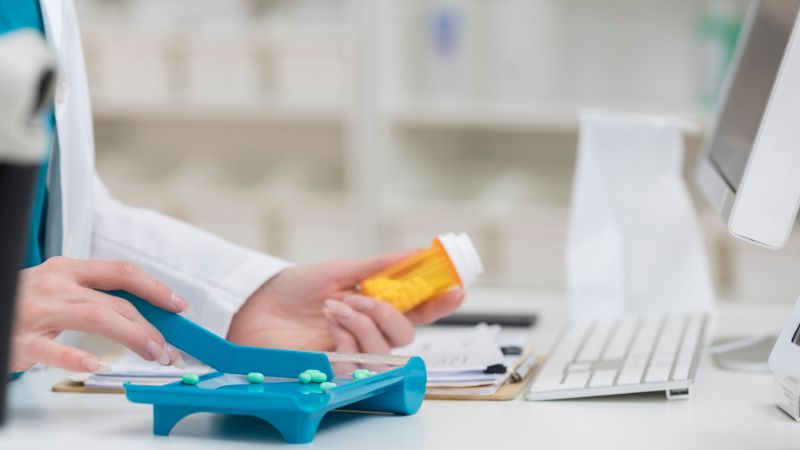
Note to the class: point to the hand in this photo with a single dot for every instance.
(316, 307)
(60, 295)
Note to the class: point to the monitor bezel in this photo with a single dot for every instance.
(744, 213)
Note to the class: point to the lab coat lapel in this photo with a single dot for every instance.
(53, 21)
(74, 127)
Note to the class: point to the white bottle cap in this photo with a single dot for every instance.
(463, 255)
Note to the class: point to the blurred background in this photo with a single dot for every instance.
(314, 129)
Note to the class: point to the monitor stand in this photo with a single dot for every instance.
(743, 353)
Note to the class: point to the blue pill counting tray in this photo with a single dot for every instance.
(293, 408)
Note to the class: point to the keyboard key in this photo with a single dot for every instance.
(645, 340)
(670, 335)
(603, 378)
(596, 342)
(579, 367)
(630, 375)
(637, 360)
(546, 383)
(576, 380)
(690, 339)
(681, 372)
(618, 347)
(663, 359)
(657, 374)
(566, 349)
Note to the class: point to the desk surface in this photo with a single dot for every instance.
(727, 411)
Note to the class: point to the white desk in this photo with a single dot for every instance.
(728, 411)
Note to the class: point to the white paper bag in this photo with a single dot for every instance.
(634, 244)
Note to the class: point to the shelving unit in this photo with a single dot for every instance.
(312, 129)
(268, 113)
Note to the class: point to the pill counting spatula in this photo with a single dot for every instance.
(222, 354)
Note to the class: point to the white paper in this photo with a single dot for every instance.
(634, 244)
(454, 351)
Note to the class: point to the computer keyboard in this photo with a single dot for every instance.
(623, 356)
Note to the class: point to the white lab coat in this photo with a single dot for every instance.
(215, 276)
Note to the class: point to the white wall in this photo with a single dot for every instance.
(328, 128)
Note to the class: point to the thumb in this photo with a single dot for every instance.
(350, 272)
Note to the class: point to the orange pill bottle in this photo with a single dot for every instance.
(450, 262)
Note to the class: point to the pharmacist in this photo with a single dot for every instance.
(84, 240)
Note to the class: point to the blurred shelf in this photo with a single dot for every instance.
(494, 116)
(267, 112)
(474, 115)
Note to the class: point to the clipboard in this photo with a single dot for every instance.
(74, 385)
(510, 390)
(520, 377)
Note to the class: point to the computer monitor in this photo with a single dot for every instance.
(750, 171)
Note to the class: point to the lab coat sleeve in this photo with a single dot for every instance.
(215, 276)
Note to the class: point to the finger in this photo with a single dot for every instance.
(48, 352)
(396, 328)
(175, 357)
(340, 295)
(433, 310)
(364, 330)
(123, 275)
(351, 272)
(343, 341)
(127, 310)
(105, 321)
(123, 308)
(89, 298)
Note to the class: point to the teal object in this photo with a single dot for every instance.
(221, 354)
(305, 378)
(15, 15)
(38, 220)
(255, 377)
(190, 378)
(294, 409)
(317, 377)
(327, 385)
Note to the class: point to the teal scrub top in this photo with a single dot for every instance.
(15, 15)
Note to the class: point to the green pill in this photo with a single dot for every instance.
(190, 378)
(305, 378)
(327, 385)
(318, 377)
(255, 377)
(360, 375)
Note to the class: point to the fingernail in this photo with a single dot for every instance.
(340, 310)
(158, 353)
(176, 357)
(360, 302)
(179, 302)
(92, 364)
